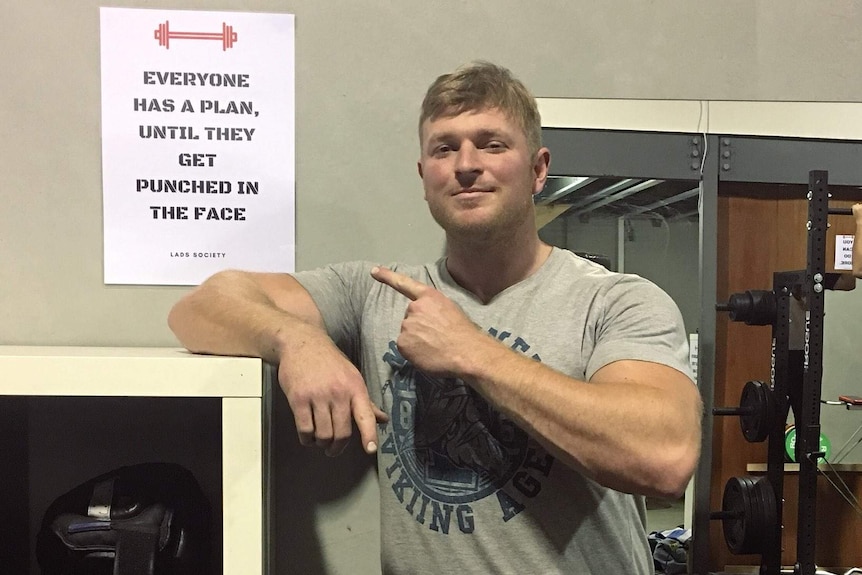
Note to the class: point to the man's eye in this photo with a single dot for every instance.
(442, 150)
(495, 146)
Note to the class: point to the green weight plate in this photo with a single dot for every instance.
(790, 444)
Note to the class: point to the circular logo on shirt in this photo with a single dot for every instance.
(453, 445)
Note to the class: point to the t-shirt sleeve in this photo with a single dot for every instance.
(639, 321)
(340, 292)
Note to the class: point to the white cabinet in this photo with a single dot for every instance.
(241, 384)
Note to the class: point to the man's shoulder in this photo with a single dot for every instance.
(583, 272)
(585, 275)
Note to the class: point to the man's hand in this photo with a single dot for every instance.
(326, 394)
(435, 334)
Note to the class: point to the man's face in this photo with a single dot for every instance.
(479, 174)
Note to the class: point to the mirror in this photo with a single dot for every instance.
(648, 227)
(747, 142)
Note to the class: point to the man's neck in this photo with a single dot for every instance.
(487, 268)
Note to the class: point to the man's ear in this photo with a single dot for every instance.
(419, 168)
(541, 165)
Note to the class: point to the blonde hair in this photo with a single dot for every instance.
(482, 86)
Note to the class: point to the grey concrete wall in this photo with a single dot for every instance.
(362, 67)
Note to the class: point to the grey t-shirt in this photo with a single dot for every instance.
(462, 488)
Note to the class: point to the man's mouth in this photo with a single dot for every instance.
(471, 191)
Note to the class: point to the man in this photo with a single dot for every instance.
(524, 393)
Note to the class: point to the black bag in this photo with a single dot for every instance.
(145, 519)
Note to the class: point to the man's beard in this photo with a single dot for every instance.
(488, 228)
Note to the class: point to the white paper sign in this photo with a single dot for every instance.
(693, 353)
(843, 252)
(197, 144)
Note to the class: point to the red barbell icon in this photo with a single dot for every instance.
(164, 35)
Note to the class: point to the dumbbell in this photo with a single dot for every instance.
(164, 35)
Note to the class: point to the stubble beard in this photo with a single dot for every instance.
(491, 228)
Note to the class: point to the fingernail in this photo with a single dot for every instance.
(372, 447)
(375, 269)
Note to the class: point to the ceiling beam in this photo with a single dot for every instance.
(617, 196)
(574, 184)
(665, 202)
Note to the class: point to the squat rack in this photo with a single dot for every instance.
(795, 308)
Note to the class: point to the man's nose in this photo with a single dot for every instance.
(467, 159)
(467, 162)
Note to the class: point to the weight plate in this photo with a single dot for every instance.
(754, 524)
(757, 401)
(751, 511)
(790, 444)
(735, 501)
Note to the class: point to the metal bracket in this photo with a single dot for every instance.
(725, 152)
(696, 150)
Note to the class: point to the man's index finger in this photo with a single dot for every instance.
(404, 285)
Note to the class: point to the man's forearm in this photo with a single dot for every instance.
(229, 314)
(626, 435)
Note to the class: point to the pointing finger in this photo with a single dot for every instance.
(404, 285)
(367, 415)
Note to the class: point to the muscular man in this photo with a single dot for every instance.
(521, 400)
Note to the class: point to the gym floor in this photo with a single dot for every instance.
(663, 514)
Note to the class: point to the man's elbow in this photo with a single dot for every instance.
(680, 456)
(668, 475)
(678, 474)
(674, 466)
(182, 318)
(177, 324)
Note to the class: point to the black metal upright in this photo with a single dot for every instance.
(808, 418)
(779, 380)
(787, 358)
(796, 379)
